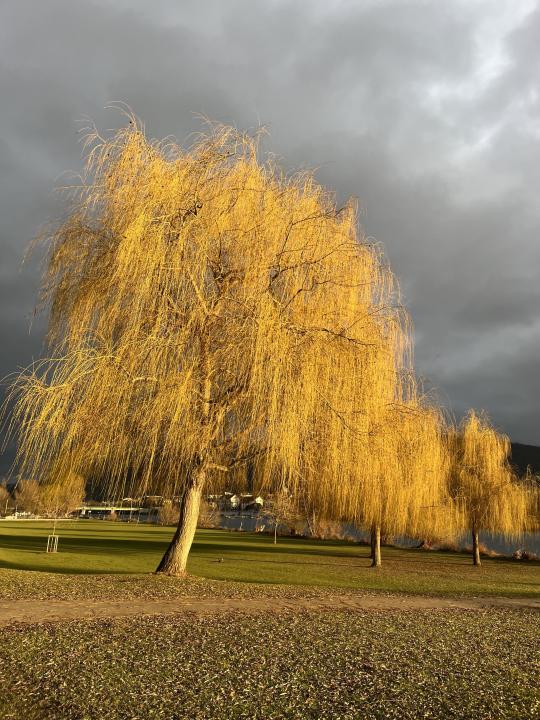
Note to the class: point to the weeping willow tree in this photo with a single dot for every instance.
(206, 310)
(483, 485)
(384, 467)
(532, 483)
(407, 478)
(396, 484)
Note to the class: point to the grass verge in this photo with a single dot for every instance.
(105, 559)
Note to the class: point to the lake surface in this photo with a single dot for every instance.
(249, 522)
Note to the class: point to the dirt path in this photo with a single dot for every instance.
(39, 611)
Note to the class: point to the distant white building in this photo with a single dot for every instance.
(235, 501)
(251, 502)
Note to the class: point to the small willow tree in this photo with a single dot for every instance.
(205, 310)
(357, 470)
(482, 483)
(391, 454)
(532, 483)
(399, 481)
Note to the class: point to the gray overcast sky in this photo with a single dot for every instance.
(426, 111)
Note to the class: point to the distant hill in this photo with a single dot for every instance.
(526, 455)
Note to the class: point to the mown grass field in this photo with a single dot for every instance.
(339, 664)
(101, 547)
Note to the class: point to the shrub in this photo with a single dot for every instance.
(208, 516)
(169, 513)
(521, 554)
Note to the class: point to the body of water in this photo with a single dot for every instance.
(249, 522)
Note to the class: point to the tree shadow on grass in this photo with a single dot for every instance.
(118, 546)
(71, 569)
(114, 542)
(75, 553)
(213, 548)
(358, 562)
(96, 546)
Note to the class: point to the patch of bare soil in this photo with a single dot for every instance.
(45, 611)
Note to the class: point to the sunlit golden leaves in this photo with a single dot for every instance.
(482, 482)
(206, 309)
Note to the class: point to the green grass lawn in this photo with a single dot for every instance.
(101, 547)
(441, 665)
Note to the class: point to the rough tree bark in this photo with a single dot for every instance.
(476, 546)
(175, 559)
(376, 546)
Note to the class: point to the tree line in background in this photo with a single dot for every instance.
(208, 314)
(56, 498)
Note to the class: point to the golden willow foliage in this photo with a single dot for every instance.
(394, 474)
(483, 485)
(532, 483)
(205, 309)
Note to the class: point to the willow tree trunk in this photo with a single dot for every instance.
(376, 546)
(175, 559)
(475, 547)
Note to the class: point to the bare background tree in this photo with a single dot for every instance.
(56, 497)
(5, 499)
(282, 511)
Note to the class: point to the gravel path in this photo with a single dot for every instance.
(39, 611)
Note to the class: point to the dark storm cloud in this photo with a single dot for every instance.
(427, 112)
